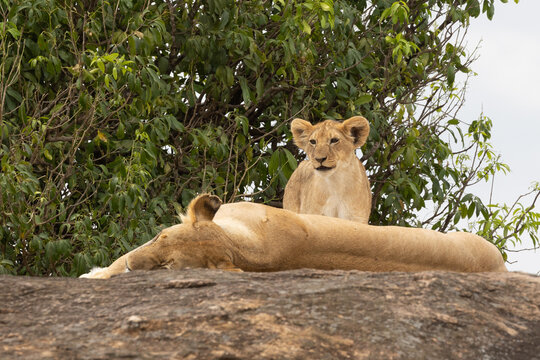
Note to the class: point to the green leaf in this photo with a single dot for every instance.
(14, 32)
(244, 123)
(325, 7)
(293, 164)
(111, 57)
(490, 11)
(42, 42)
(246, 94)
(100, 65)
(450, 75)
(47, 154)
(274, 163)
(410, 157)
(363, 99)
(225, 75)
(15, 94)
(305, 27)
(259, 85)
(470, 211)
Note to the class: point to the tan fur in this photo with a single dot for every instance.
(256, 237)
(333, 181)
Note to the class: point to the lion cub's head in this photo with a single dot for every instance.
(329, 143)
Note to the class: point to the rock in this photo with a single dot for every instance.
(303, 314)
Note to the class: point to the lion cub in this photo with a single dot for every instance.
(333, 181)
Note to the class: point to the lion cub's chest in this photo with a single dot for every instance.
(333, 207)
(325, 198)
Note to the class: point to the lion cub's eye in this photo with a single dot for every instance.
(312, 141)
(334, 140)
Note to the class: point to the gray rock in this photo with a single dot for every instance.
(304, 314)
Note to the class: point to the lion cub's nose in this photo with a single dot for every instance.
(321, 160)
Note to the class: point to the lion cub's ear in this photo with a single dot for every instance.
(203, 208)
(358, 128)
(301, 130)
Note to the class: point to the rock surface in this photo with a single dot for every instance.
(304, 314)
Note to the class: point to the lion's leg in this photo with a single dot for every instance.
(117, 267)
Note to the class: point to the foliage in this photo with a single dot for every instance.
(113, 115)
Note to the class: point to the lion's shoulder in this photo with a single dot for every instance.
(303, 173)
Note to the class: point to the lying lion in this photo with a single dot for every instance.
(333, 181)
(255, 237)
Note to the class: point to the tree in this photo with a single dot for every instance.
(113, 115)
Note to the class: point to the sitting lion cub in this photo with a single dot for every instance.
(333, 181)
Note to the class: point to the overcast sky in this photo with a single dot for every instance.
(507, 90)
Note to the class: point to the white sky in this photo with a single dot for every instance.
(507, 90)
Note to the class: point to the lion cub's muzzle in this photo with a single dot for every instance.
(323, 168)
(323, 165)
